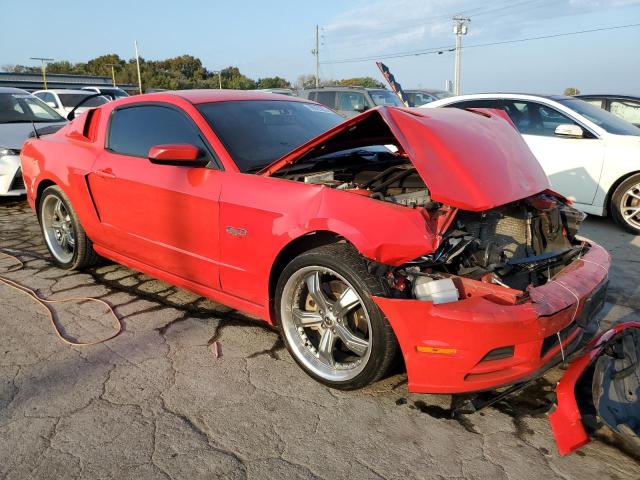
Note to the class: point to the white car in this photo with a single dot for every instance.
(111, 93)
(20, 113)
(63, 101)
(590, 156)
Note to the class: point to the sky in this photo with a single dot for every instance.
(275, 38)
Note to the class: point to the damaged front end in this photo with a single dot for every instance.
(602, 386)
(504, 289)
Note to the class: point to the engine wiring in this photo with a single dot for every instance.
(45, 304)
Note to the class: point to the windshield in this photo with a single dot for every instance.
(385, 97)
(258, 132)
(24, 107)
(602, 118)
(73, 99)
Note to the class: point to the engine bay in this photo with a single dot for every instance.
(521, 244)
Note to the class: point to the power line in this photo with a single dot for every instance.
(451, 48)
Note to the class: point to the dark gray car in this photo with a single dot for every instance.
(350, 101)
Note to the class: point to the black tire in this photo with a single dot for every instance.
(83, 255)
(616, 204)
(347, 262)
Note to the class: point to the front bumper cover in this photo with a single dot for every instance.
(615, 358)
(448, 348)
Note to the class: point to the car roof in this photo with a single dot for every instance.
(64, 90)
(342, 87)
(425, 90)
(610, 95)
(524, 96)
(213, 95)
(12, 90)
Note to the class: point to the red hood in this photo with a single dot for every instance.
(472, 161)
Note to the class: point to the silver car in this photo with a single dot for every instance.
(20, 113)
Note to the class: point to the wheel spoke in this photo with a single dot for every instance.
(56, 224)
(57, 211)
(325, 347)
(633, 212)
(633, 194)
(306, 319)
(354, 343)
(347, 302)
(315, 290)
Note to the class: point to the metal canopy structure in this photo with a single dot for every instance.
(33, 81)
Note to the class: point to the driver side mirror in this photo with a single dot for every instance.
(177, 154)
(359, 108)
(568, 130)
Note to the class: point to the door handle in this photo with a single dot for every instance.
(106, 173)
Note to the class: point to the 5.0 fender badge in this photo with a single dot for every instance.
(236, 232)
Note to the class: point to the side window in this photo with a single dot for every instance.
(351, 101)
(134, 130)
(327, 98)
(629, 111)
(596, 102)
(533, 118)
(50, 99)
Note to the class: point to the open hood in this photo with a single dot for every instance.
(469, 160)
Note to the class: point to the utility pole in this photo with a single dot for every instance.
(44, 68)
(135, 44)
(316, 53)
(460, 28)
(113, 72)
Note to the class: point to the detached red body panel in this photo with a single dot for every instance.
(226, 234)
(566, 419)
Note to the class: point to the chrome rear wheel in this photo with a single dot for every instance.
(58, 229)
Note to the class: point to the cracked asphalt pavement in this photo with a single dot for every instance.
(156, 402)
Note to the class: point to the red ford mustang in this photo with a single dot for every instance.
(428, 231)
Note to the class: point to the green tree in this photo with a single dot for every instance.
(367, 82)
(273, 82)
(571, 91)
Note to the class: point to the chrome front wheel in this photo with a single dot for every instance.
(326, 323)
(329, 321)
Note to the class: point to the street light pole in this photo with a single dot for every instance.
(113, 72)
(316, 53)
(219, 73)
(460, 28)
(44, 68)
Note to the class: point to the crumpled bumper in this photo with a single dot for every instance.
(479, 343)
(615, 386)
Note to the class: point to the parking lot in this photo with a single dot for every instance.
(158, 402)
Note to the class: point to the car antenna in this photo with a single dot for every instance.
(35, 130)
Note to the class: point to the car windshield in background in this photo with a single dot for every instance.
(73, 99)
(258, 132)
(385, 97)
(441, 94)
(600, 117)
(24, 107)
